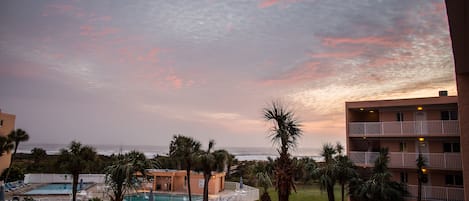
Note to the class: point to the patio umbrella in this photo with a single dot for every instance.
(241, 183)
(150, 197)
(81, 184)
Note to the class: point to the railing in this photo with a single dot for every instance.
(62, 178)
(404, 128)
(247, 193)
(437, 193)
(408, 160)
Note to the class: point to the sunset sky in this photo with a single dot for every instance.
(138, 72)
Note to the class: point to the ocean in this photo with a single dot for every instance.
(241, 153)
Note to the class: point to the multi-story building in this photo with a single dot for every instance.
(409, 127)
(7, 124)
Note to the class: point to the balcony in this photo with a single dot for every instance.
(404, 128)
(450, 161)
(437, 193)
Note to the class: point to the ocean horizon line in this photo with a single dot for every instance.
(241, 153)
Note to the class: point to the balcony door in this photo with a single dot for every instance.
(421, 126)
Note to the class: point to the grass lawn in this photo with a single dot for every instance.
(307, 192)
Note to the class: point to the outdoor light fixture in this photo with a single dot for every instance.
(419, 108)
(371, 111)
(424, 170)
(421, 139)
(361, 109)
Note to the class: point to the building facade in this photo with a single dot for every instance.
(164, 180)
(407, 128)
(7, 124)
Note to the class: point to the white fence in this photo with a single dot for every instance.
(62, 178)
(404, 128)
(408, 160)
(436, 193)
(247, 193)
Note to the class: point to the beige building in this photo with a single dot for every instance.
(408, 127)
(163, 180)
(7, 124)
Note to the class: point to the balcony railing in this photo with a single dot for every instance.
(437, 193)
(408, 160)
(404, 128)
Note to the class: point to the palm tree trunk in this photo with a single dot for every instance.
(188, 175)
(330, 193)
(74, 186)
(342, 191)
(419, 191)
(11, 162)
(206, 180)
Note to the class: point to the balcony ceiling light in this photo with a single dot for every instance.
(361, 109)
(424, 170)
(371, 111)
(421, 139)
(419, 108)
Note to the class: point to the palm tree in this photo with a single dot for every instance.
(379, 186)
(210, 161)
(327, 171)
(16, 136)
(263, 179)
(285, 132)
(345, 171)
(184, 149)
(121, 175)
(421, 177)
(6, 145)
(75, 159)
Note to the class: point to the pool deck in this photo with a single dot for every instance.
(99, 191)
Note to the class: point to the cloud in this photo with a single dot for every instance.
(269, 3)
(338, 55)
(306, 71)
(370, 40)
(91, 31)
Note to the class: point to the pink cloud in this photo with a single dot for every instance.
(304, 72)
(371, 40)
(174, 81)
(268, 3)
(88, 30)
(338, 55)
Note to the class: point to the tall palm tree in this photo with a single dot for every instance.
(285, 132)
(379, 186)
(121, 175)
(327, 171)
(263, 180)
(184, 149)
(210, 161)
(16, 137)
(75, 160)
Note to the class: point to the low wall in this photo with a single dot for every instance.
(62, 178)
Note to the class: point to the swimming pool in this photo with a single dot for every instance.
(162, 197)
(55, 189)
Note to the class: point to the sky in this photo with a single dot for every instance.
(138, 72)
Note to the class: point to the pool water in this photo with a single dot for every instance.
(162, 197)
(55, 189)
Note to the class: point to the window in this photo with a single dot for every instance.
(454, 180)
(404, 177)
(399, 116)
(403, 146)
(451, 147)
(449, 115)
(1, 122)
